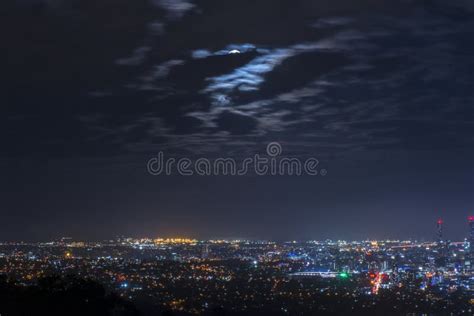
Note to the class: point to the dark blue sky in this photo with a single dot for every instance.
(381, 92)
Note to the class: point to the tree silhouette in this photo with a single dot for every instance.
(56, 295)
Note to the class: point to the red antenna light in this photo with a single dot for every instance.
(470, 218)
(440, 221)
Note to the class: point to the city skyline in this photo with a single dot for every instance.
(186, 276)
(438, 236)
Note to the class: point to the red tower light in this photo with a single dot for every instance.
(440, 221)
(470, 219)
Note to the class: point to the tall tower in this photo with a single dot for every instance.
(439, 226)
(469, 257)
(441, 258)
(470, 220)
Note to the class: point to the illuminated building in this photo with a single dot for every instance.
(439, 225)
(470, 255)
(205, 251)
(441, 259)
(471, 232)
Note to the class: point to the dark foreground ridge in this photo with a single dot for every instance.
(56, 295)
(70, 295)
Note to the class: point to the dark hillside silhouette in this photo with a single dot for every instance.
(61, 296)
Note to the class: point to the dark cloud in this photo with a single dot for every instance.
(236, 123)
(320, 67)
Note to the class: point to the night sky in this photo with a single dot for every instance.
(380, 92)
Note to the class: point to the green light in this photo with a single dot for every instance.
(344, 275)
